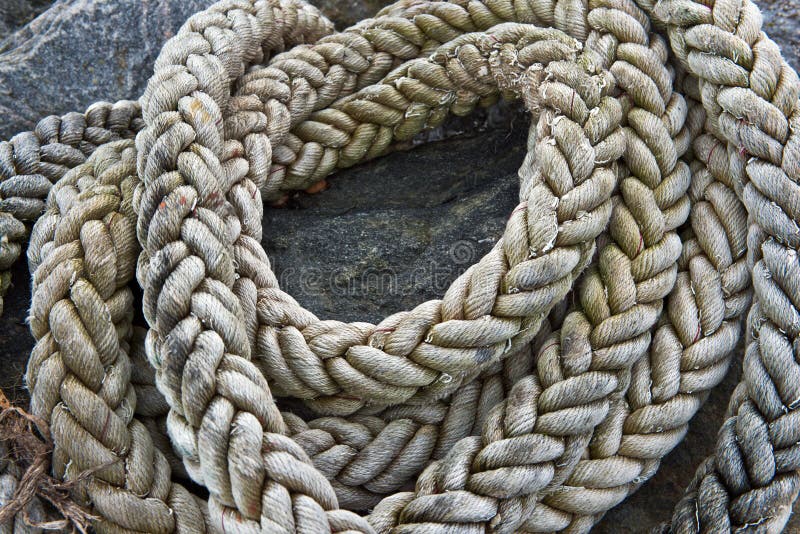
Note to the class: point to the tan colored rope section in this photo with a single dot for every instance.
(79, 372)
(212, 301)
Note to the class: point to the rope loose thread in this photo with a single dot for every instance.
(28, 443)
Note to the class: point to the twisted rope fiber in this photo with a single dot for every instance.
(33, 248)
(30, 162)
(752, 101)
(79, 372)
(33, 160)
(76, 205)
(688, 356)
(696, 382)
(74, 355)
(190, 442)
(426, 19)
(345, 382)
(66, 196)
(217, 415)
(523, 182)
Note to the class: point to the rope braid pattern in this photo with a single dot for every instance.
(367, 457)
(418, 462)
(574, 397)
(751, 97)
(33, 248)
(69, 351)
(79, 372)
(32, 161)
(585, 367)
(691, 251)
(309, 358)
(75, 205)
(689, 354)
(160, 219)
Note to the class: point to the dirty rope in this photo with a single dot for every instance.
(660, 186)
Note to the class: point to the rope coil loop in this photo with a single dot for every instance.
(659, 181)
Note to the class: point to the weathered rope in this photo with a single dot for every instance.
(752, 102)
(522, 510)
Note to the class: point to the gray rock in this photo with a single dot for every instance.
(81, 51)
(782, 24)
(345, 13)
(17, 13)
(391, 234)
(384, 237)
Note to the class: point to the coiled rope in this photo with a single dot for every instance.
(642, 169)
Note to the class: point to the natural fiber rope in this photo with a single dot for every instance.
(709, 158)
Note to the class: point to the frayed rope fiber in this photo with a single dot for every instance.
(660, 187)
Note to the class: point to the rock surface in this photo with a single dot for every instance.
(384, 237)
(16, 13)
(82, 51)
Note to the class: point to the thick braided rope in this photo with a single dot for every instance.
(369, 456)
(242, 192)
(47, 395)
(726, 337)
(291, 339)
(70, 200)
(585, 367)
(79, 372)
(582, 399)
(316, 135)
(223, 324)
(284, 61)
(689, 355)
(669, 191)
(751, 97)
(339, 137)
(32, 161)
